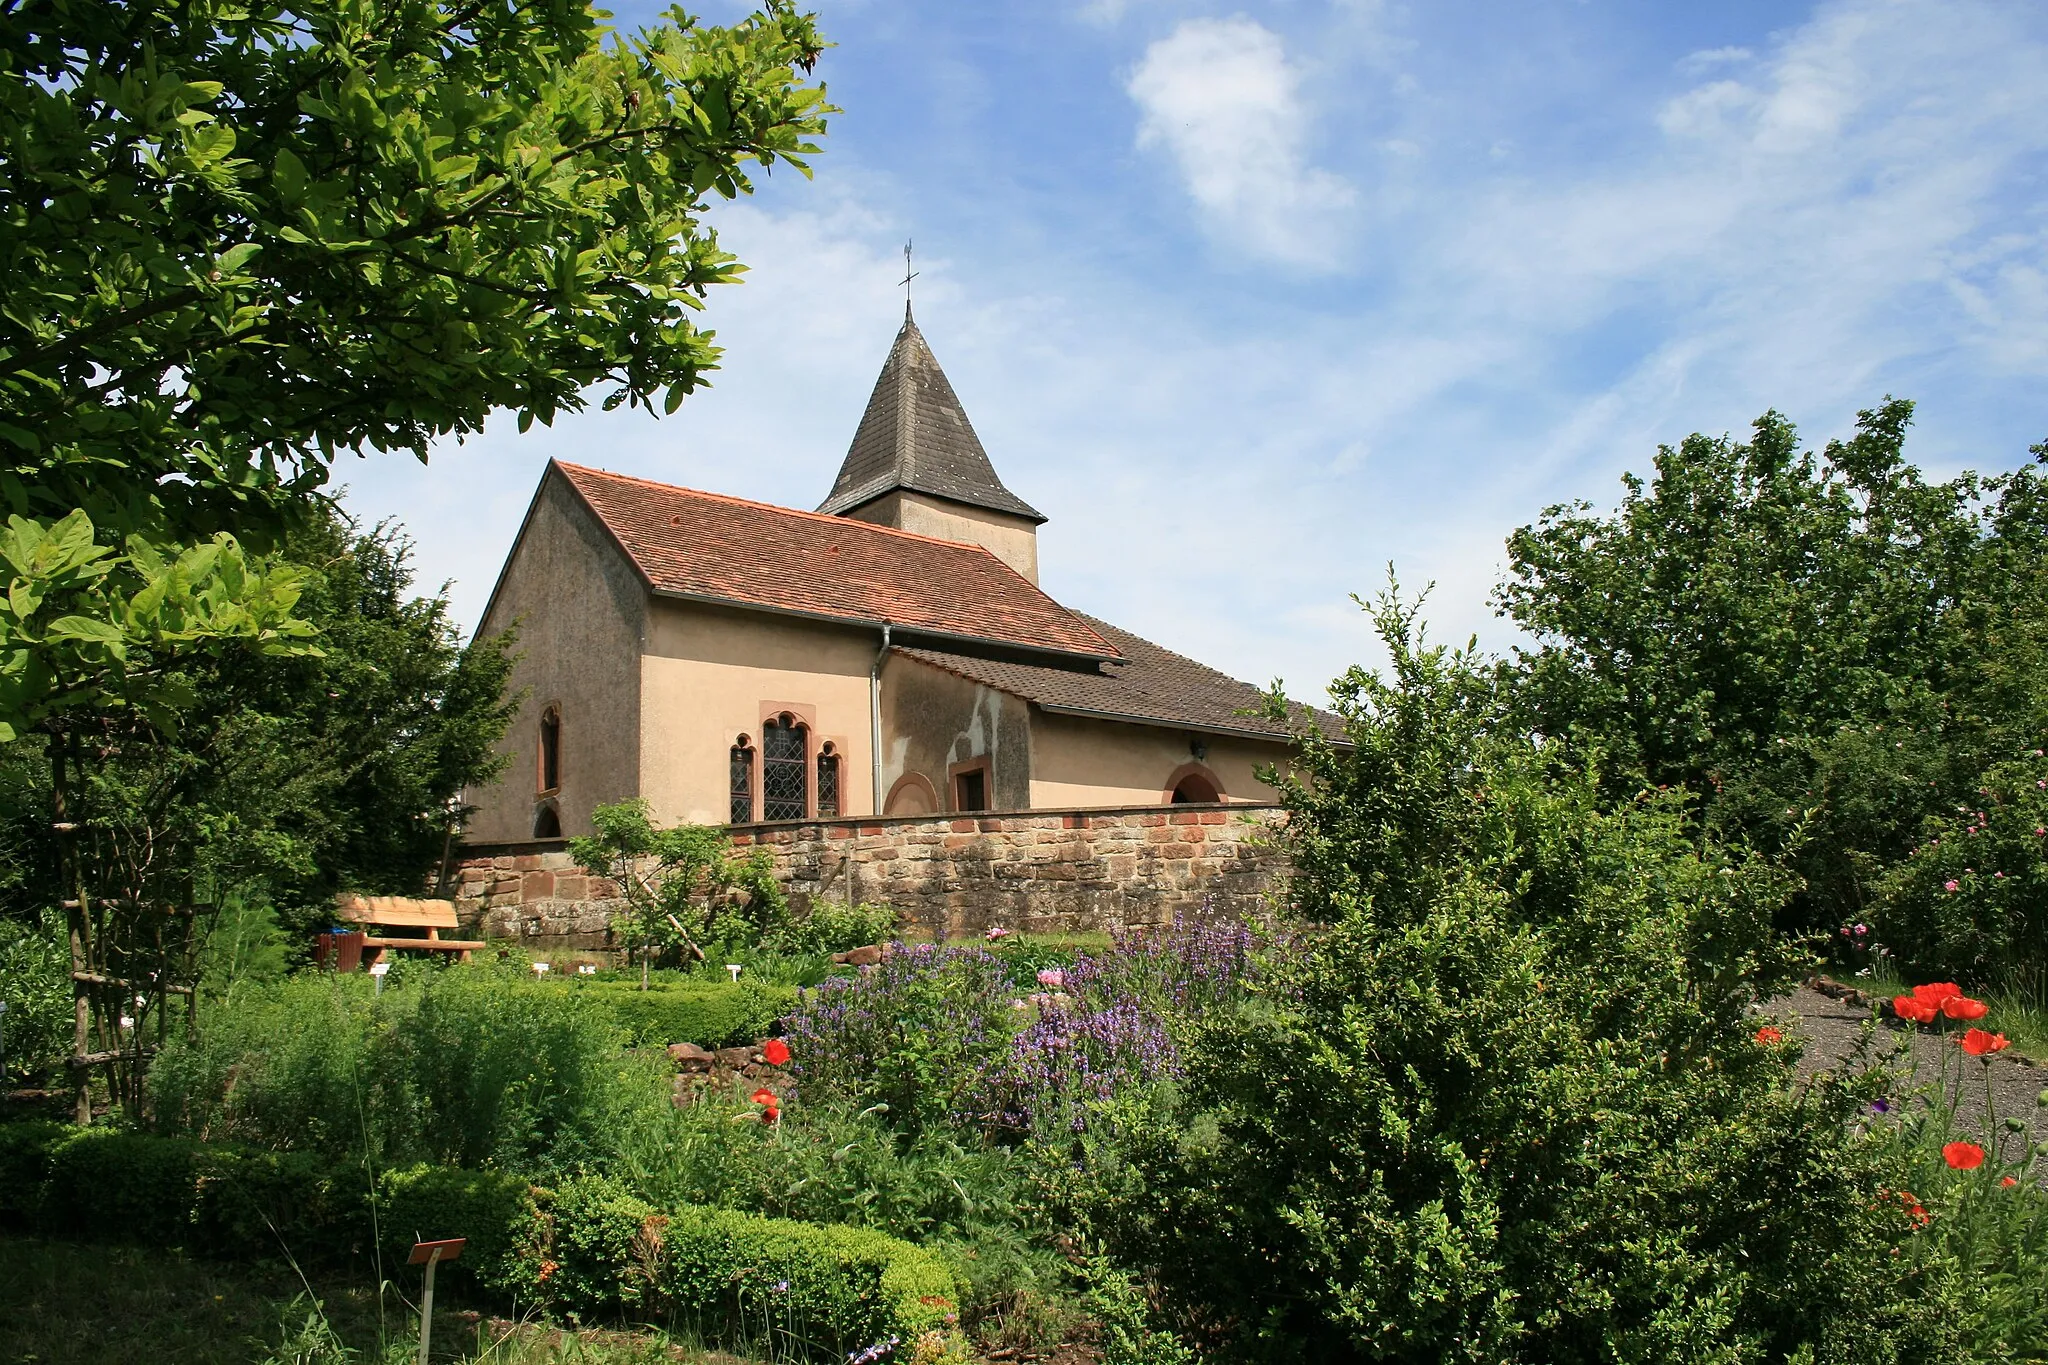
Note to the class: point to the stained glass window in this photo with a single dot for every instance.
(742, 782)
(785, 781)
(828, 781)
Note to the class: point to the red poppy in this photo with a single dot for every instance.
(1913, 1011)
(2007, 1181)
(1963, 1007)
(764, 1096)
(771, 1115)
(1963, 1156)
(1978, 1043)
(776, 1051)
(1768, 1035)
(1934, 992)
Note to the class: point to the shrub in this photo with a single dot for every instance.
(35, 985)
(708, 1013)
(103, 1185)
(496, 1211)
(1509, 1106)
(732, 1275)
(948, 1035)
(835, 927)
(589, 1247)
(600, 1248)
(838, 1287)
(1971, 900)
(821, 1164)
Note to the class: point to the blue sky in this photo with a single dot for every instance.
(1252, 300)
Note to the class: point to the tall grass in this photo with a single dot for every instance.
(462, 1066)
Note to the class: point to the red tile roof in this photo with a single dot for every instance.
(720, 549)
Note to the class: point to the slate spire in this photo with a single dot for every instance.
(916, 436)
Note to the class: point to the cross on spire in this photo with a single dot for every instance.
(908, 276)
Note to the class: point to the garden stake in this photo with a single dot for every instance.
(431, 1254)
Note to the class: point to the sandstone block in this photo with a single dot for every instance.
(690, 1057)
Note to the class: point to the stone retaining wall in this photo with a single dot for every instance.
(950, 875)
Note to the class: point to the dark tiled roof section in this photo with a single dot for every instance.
(708, 546)
(1148, 683)
(915, 435)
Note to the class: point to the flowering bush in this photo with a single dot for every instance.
(914, 1033)
(941, 1035)
(1971, 899)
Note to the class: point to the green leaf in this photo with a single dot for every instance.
(209, 144)
(86, 628)
(235, 257)
(288, 173)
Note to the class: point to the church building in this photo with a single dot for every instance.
(735, 662)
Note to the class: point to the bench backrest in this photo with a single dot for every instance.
(399, 911)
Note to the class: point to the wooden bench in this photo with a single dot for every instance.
(391, 912)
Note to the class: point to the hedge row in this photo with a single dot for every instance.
(708, 1013)
(587, 1249)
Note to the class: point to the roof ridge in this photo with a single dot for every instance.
(810, 516)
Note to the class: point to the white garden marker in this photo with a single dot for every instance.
(734, 968)
(431, 1254)
(378, 971)
(540, 969)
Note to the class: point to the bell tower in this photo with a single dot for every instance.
(916, 464)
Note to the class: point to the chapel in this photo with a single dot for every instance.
(734, 662)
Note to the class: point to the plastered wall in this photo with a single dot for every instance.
(1077, 762)
(1014, 540)
(580, 611)
(934, 722)
(711, 674)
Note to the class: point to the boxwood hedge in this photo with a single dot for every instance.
(588, 1248)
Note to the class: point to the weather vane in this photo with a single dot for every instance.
(908, 276)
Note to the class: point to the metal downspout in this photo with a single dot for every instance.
(875, 715)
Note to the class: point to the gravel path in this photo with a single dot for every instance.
(1832, 1028)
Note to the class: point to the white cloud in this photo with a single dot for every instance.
(1220, 97)
(1694, 63)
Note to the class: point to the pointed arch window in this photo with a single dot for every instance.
(828, 780)
(742, 781)
(785, 769)
(550, 774)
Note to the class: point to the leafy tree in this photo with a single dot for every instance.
(1824, 648)
(239, 238)
(1510, 1105)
